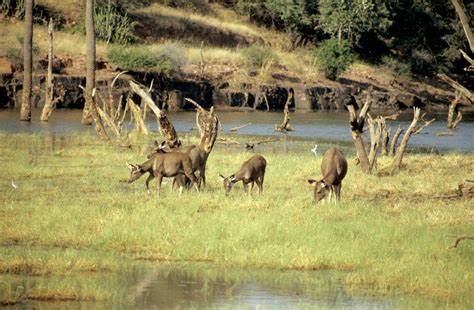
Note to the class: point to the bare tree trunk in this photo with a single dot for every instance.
(393, 145)
(385, 138)
(465, 22)
(357, 127)
(454, 110)
(91, 110)
(375, 134)
(397, 160)
(90, 62)
(48, 103)
(25, 113)
(166, 128)
(285, 125)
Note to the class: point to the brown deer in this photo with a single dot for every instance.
(334, 169)
(198, 158)
(252, 171)
(164, 165)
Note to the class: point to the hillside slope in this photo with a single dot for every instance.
(220, 38)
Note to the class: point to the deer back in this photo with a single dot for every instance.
(333, 166)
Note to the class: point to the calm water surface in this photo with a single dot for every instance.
(311, 125)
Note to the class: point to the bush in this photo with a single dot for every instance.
(257, 57)
(13, 8)
(334, 57)
(112, 23)
(398, 67)
(165, 59)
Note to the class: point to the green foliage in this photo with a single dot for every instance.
(334, 57)
(112, 23)
(399, 68)
(13, 8)
(165, 59)
(257, 56)
(353, 18)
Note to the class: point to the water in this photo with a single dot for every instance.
(328, 126)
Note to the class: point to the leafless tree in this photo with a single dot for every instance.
(25, 113)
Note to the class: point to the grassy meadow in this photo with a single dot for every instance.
(73, 215)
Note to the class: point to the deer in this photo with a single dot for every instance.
(252, 171)
(198, 158)
(164, 165)
(334, 169)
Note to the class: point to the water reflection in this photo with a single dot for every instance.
(209, 286)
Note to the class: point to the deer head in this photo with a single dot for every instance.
(321, 189)
(136, 172)
(228, 182)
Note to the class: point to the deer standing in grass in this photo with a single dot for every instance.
(164, 165)
(252, 171)
(334, 169)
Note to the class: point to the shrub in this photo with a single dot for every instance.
(398, 67)
(14, 8)
(165, 59)
(257, 57)
(334, 57)
(112, 23)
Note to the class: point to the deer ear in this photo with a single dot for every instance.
(131, 166)
(312, 182)
(323, 184)
(232, 178)
(221, 177)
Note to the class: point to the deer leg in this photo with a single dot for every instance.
(202, 174)
(338, 192)
(260, 184)
(147, 182)
(244, 184)
(159, 178)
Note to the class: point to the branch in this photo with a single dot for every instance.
(463, 90)
(459, 239)
(458, 6)
(239, 127)
(194, 103)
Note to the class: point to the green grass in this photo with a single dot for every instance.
(391, 234)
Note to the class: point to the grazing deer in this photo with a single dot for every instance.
(334, 169)
(252, 170)
(198, 158)
(164, 165)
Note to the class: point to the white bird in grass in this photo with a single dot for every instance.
(315, 150)
(14, 185)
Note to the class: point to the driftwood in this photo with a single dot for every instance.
(285, 125)
(166, 128)
(234, 129)
(445, 133)
(249, 146)
(459, 239)
(466, 189)
(357, 123)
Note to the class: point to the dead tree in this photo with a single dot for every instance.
(207, 123)
(285, 125)
(49, 101)
(25, 112)
(375, 130)
(166, 128)
(454, 114)
(393, 144)
(385, 136)
(90, 108)
(464, 19)
(413, 129)
(357, 128)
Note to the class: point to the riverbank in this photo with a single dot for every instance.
(65, 211)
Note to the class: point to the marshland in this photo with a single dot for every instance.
(92, 89)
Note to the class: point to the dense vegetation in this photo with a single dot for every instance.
(426, 34)
(409, 36)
